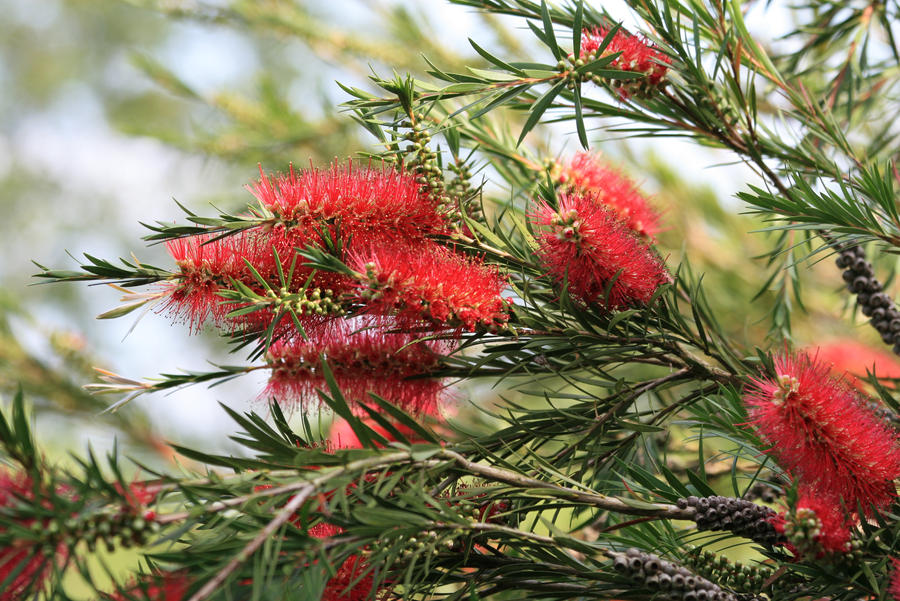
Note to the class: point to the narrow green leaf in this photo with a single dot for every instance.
(538, 109)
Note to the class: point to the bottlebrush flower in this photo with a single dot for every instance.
(364, 361)
(585, 245)
(430, 283)
(853, 359)
(894, 587)
(349, 583)
(164, 586)
(822, 433)
(28, 562)
(638, 55)
(816, 526)
(362, 202)
(342, 435)
(206, 268)
(587, 174)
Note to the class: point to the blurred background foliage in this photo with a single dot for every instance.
(109, 109)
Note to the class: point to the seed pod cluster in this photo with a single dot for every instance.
(673, 582)
(884, 413)
(120, 530)
(873, 302)
(743, 518)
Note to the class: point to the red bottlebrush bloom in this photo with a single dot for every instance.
(817, 526)
(854, 359)
(364, 361)
(165, 586)
(206, 268)
(823, 434)
(361, 202)
(343, 437)
(586, 245)
(430, 283)
(638, 55)
(894, 587)
(32, 565)
(349, 583)
(589, 175)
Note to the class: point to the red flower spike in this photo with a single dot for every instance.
(363, 361)
(638, 55)
(817, 526)
(343, 437)
(165, 586)
(206, 268)
(355, 202)
(852, 359)
(894, 586)
(37, 565)
(821, 432)
(430, 283)
(585, 245)
(348, 584)
(589, 175)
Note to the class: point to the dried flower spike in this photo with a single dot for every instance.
(587, 174)
(586, 246)
(822, 433)
(638, 55)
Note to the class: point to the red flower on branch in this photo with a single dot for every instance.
(853, 359)
(353, 580)
(163, 586)
(817, 526)
(431, 284)
(364, 358)
(363, 203)
(27, 561)
(207, 267)
(638, 55)
(586, 246)
(823, 434)
(894, 587)
(587, 174)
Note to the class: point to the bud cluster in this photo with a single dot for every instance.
(873, 302)
(122, 529)
(743, 518)
(424, 162)
(726, 573)
(315, 301)
(674, 582)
